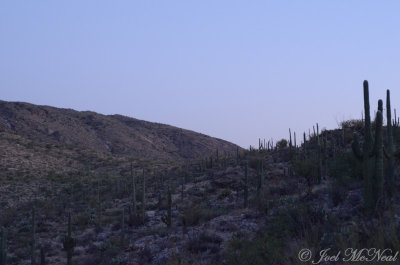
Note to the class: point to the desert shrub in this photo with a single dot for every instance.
(178, 259)
(224, 193)
(345, 167)
(352, 124)
(295, 219)
(283, 143)
(145, 255)
(198, 214)
(135, 220)
(8, 216)
(264, 249)
(308, 169)
(337, 194)
(83, 219)
(119, 260)
(253, 160)
(204, 242)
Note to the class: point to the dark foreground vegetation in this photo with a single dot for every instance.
(336, 190)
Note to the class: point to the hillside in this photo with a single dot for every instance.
(55, 139)
(279, 204)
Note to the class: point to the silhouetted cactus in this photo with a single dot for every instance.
(377, 187)
(122, 235)
(42, 256)
(168, 219)
(182, 187)
(246, 186)
(133, 191)
(3, 247)
(69, 242)
(319, 157)
(389, 149)
(33, 231)
(99, 210)
(365, 156)
(144, 198)
(304, 146)
(237, 155)
(259, 180)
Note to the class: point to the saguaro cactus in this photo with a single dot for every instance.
(144, 198)
(365, 156)
(33, 230)
(42, 256)
(3, 247)
(99, 210)
(237, 155)
(389, 149)
(122, 235)
(304, 145)
(259, 180)
(377, 187)
(319, 156)
(168, 219)
(246, 186)
(133, 191)
(69, 242)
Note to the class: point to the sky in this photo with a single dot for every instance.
(235, 70)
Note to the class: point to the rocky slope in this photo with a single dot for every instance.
(45, 139)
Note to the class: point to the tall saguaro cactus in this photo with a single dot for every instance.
(69, 242)
(377, 187)
(122, 235)
(3, 247)
(390, 148)
(319, 156)
(365, 156)
(33, 230)
(99, 210)
(246, 186)
(144, 197)
(133, 191)
(42, 256)
(168, 219)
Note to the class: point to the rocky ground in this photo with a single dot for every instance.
(210, 224)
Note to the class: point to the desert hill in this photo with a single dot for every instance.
(48, 138)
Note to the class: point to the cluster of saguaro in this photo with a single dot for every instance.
(372, 170)
(69, 242)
